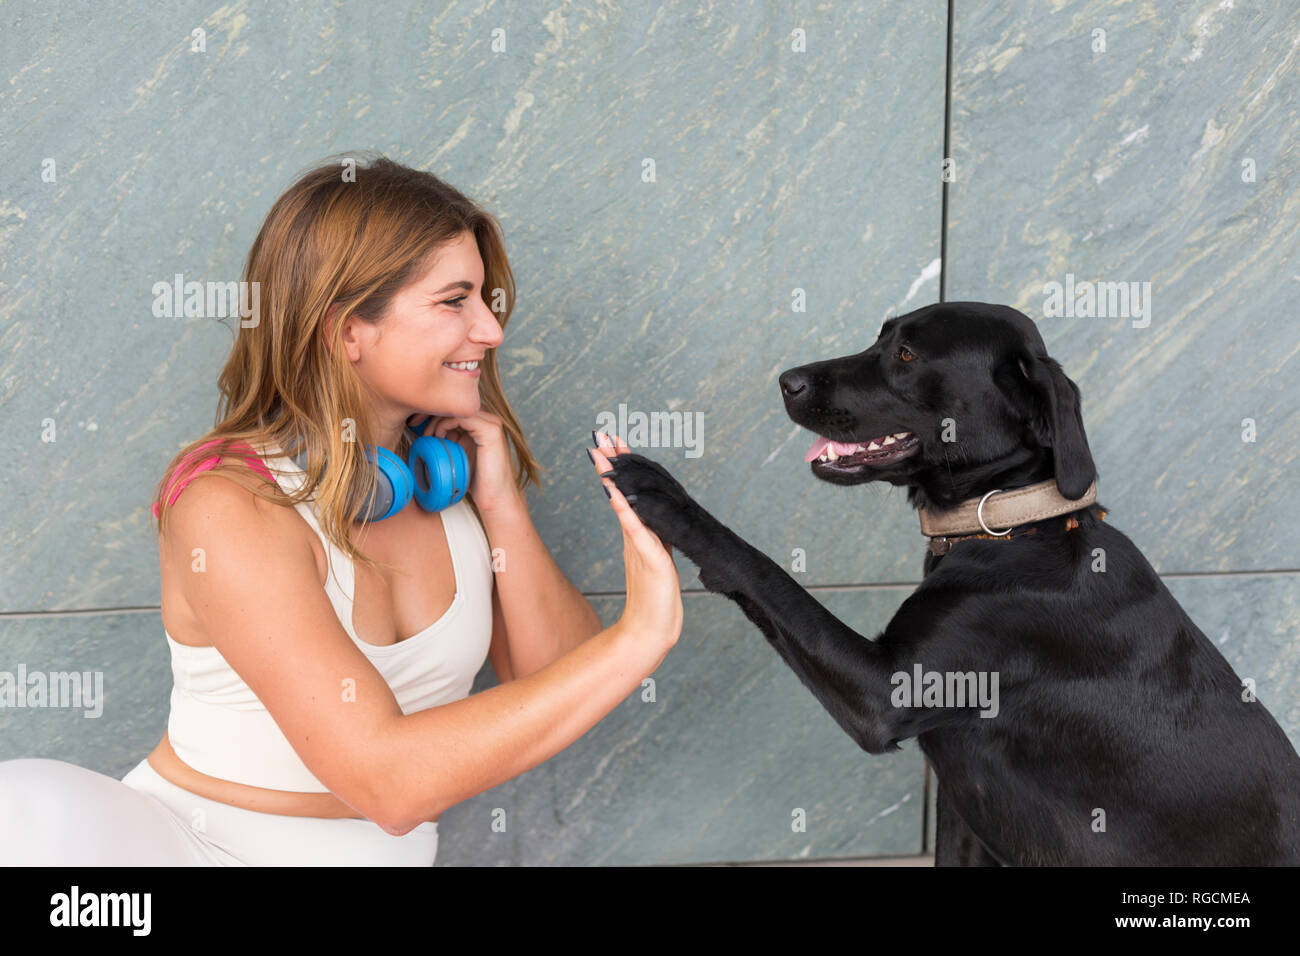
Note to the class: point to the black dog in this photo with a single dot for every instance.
(1121, 735)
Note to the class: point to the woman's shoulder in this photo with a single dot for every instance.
(224, 483)
(226, 503)
(228, 495)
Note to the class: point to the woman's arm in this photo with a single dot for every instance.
(543, 615)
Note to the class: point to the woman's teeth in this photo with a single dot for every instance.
(463, 366)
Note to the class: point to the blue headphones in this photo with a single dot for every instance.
(438, 475)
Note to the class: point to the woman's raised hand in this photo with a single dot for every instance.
(654, 600)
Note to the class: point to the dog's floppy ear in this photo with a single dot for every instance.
(1058, 423)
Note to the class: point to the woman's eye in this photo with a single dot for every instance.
(456, 301)
(905, 354)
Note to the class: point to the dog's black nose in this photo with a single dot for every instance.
(792, 382)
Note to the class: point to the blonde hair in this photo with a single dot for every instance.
(330, 240)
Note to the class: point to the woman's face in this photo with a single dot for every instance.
(438, 318)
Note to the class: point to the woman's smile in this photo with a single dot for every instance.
(464, 368)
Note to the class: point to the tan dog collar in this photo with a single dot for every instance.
(1000, 510)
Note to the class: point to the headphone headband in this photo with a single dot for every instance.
(436, 474)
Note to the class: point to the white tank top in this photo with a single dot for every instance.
(219, 727)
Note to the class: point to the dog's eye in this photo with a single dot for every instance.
(905, 354)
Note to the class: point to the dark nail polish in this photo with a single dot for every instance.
(605, 488)
(594, 440)
(591, 456)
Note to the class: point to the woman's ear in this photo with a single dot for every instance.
(1058, 424)
(347, 338)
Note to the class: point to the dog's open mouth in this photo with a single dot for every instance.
(846, 456)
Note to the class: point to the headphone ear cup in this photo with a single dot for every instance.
(441, 472)
(394, 485)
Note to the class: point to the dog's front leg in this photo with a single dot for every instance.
(847, 673)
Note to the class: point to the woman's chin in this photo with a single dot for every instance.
(454, 407)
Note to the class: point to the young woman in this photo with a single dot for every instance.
(321, 712)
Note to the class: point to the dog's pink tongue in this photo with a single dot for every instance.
(818, 447)
(841, 448)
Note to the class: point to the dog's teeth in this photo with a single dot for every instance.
(889, 440)
(901, 435)
(831, 453)
(873, 447)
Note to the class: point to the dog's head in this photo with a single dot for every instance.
(951, 400)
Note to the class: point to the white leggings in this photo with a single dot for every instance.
(54, 813)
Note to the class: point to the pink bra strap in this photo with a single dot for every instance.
(208, 464)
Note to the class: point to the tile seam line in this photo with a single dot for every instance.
(947, 145)
(689, 592)
(926, 785)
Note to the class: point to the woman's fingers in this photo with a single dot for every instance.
(604, 450)
(607, 448)
(619, 504)
(627, 518)
(632, 527)
(610, 445)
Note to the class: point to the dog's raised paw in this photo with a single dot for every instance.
(664, 507)
(661, 502)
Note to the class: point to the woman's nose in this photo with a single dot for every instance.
(488, 328)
